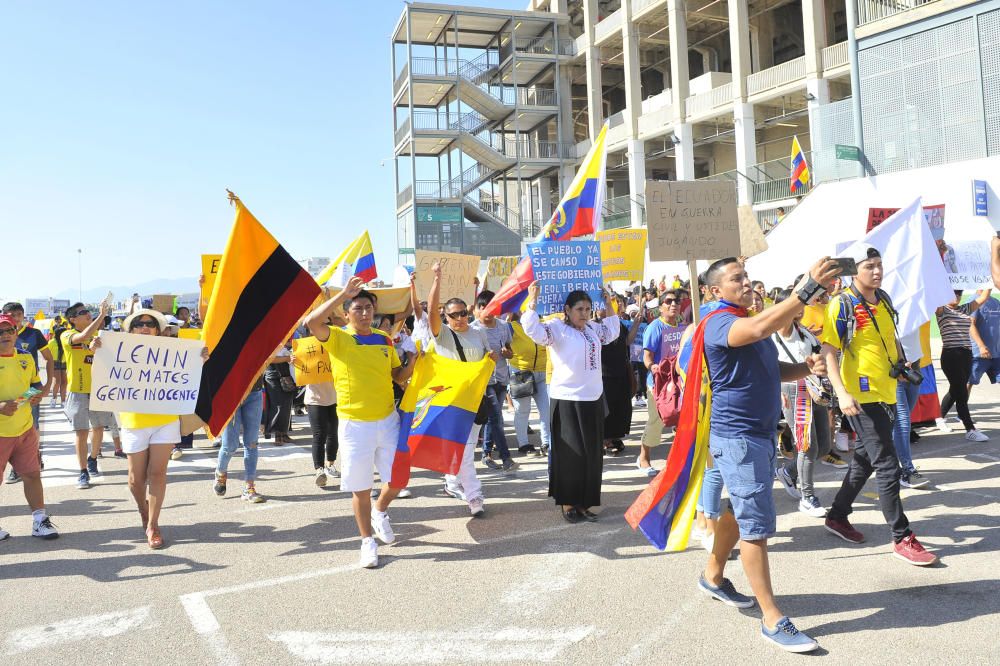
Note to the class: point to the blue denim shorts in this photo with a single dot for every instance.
(747, 467)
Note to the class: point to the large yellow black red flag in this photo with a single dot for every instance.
(259, 296)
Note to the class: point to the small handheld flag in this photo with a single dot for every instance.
(800, 169)
(357, 260)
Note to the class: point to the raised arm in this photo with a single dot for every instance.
(434, 301)
(316, 321)
(530, 321)
(94, 327)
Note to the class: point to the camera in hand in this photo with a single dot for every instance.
(903, 369)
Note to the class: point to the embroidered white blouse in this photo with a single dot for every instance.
(575, 354)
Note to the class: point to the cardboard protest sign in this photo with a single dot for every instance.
(210, 269)
(752, 240)
(311, 362)
(498, 269)
(163, 303)
(623, 253)
(147, 374)
(690, 220)
(457, 274)
(565, 266)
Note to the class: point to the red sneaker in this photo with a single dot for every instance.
(910, 550)
(844, 530)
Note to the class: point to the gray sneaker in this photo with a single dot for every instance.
(725, 593)
(12, 476)
(787, 637)
(509, 465)
(913, 479)
(490, 463)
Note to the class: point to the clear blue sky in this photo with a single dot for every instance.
(122, 123)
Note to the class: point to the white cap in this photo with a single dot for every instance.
(862, 252)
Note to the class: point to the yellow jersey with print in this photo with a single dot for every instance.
(79, 360)
(527, 354)
(17, 374)
(864, 366)
(362, 373)
(813, 318)
(134, 421)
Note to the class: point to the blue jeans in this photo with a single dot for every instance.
(746, 463)
(906, 398)
(247, 416)
(522, 409)
(710, 501)
(493, 435)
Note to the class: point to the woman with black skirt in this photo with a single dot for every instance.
(577, 408)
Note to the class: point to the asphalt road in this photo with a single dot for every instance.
(278, 583)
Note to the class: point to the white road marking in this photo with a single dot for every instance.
(77, 629)
(511, 644)
(985, 456)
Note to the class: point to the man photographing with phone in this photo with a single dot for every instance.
(860, 323)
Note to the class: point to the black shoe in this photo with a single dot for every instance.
(914, 437)
(589, 515)
(573, 515)
(12, 476)
(531, 431)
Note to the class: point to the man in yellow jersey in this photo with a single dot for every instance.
(364, 364)
(18, 436)
(76, 347)
(860, 323)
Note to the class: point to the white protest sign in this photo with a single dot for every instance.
(145, 374)
(692, 219)
(967, 263)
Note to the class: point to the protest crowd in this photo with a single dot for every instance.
(743, 386)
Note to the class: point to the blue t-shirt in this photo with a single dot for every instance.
(746, 382)
(987, 319)
(30, 341)
(661, 339)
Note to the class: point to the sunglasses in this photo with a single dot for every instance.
(461, 314)
(81, 313)
(668, 301)
(145, 323)
(8, 331)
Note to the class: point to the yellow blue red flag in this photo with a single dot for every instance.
(800, 169)
(436, 415)
(357, 260)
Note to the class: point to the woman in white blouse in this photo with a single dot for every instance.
(576, 392)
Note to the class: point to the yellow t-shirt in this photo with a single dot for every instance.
(17, 374)
(864, 367)
(813, 317)
(53, 348)
(134, 421)
(362, 373)
(79, 359)
(525, 350)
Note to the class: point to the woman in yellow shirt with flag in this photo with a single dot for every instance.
(148, 439)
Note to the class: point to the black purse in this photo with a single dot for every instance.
(522, 382)
(483, 413)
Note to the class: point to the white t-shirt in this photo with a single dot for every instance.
(800, 343)
(323, 394)
(422, 330)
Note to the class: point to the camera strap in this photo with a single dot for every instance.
(871, 315)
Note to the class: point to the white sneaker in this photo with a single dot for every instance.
(405, 493)
(382, 527)
(976, 436)
(788, 484)
(321, 477)
(44, 529)
(811, 507)
(476, 507)
(332, 472)
(942, 425)
(640, 403)
(842, 442)
(4, 534)
(369, 553)
(708, 542)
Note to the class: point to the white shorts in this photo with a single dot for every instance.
(364, 447)
(139, 439)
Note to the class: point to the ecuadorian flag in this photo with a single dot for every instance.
(578, 214)
(800, 170)
(357, 260)
(436, 415)
(259, 295)
(665, 510)
(928, 405)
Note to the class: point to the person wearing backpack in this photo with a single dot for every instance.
(660, 343)
(860, 328)
(805, 405)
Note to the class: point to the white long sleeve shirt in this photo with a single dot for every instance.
(575, 354)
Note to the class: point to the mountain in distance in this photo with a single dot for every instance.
(176, 286)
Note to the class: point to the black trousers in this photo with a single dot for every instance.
(278, 410)
(323, 421)
(956, 362)
(874, 452)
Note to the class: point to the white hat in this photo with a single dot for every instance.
(632, 309)
(161, 321)
(862, 252)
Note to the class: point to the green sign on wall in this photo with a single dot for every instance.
(439, 214)
(849, 153)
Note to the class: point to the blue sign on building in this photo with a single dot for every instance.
(979, 198)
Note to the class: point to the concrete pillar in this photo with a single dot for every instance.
(684, 151)
(814, 35)
(820, 90)
(557, 6)
(677, 24)
(636, 178)
(739, 47)
(633, 82)
(746, 149)
(763, 40)
(592, 58)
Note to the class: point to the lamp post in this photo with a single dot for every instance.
(79, 271)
